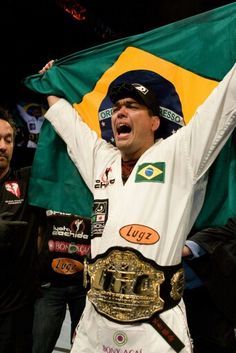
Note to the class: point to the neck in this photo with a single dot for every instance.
(126, 157)
(130, 154)
(3, 172)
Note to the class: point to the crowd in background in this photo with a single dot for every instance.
(28, 118)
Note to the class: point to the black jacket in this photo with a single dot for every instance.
(217, 268)
(18, 250)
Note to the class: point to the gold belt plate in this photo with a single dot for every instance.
(124, 287)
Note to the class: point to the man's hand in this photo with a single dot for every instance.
(186, 251)
(51, 99)
(46, 67)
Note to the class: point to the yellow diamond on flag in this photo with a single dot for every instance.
(149, 172)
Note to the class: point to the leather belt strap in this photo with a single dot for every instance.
(169, 336)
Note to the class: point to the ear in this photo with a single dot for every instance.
(155, 122)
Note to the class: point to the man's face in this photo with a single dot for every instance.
(6, 146)
(133, 128)
(36, 112)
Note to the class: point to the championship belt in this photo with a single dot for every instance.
(127, 287)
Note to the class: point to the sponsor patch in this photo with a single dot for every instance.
(66, 266)
(13, 187)
(151, 172)
(139, 234)
(99, 217)
(105, 179)
(120, 338)
(122, 342)
(69, 248)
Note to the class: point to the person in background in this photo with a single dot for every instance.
(34, 118)
(19, 229)
(63, 245)
(21, 137)
(210, 260)
(147, 195)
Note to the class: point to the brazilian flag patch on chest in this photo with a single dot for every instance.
(151, 172)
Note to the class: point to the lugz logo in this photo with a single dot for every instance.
(105, 179)
(152, 172)
(139, 234)
(13, 187)
(67, 266)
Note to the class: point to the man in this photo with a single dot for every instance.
(140, 222)
(34, 119)
(65, 241)
(210, 255)
(18, 248)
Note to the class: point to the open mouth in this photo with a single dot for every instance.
(123, 129)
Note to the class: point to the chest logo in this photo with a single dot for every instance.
(151, 172)
(13, 187)
(105, 179)
(139, 234)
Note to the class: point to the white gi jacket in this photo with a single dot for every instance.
(166, 202)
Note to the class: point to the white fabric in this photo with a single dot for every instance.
(168, 207)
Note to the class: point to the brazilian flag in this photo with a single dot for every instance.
(193, 54)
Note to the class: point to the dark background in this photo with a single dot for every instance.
(35, 31)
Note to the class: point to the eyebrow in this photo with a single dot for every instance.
(125, 100)
(9, 134)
